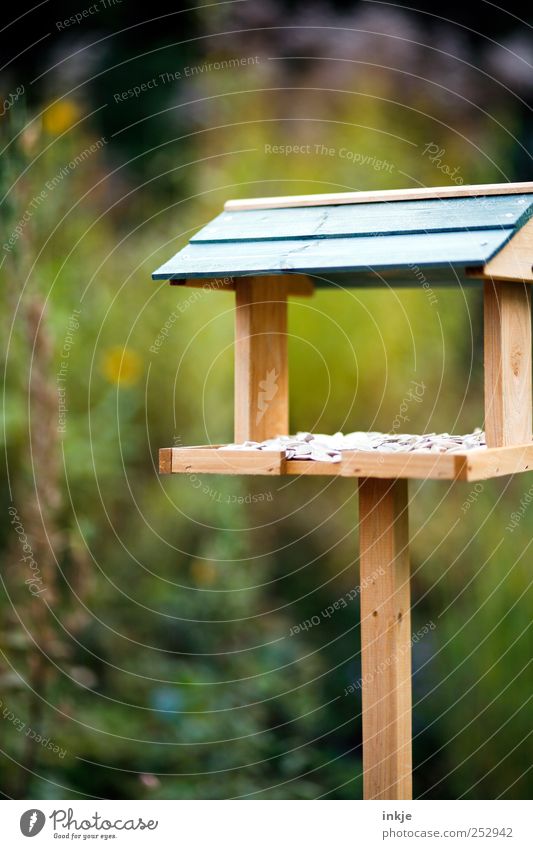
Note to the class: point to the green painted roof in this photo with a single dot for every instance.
(355, 244)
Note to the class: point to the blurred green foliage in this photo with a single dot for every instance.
(160, 655)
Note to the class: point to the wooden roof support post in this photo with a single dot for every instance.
(385, 638)
(507, 355)
(261, 367)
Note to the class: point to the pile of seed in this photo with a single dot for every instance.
(321, 446)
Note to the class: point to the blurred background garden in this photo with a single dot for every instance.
(151, 628)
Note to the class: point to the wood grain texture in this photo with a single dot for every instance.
(165, 461)
(385, 639)
(415, 216)
(401, 465)
(298, 285)
(212, 461)
(261, 366)
(389, 196)
(221, 284)
(515, 260)
(507, 360)
(496, 462)
(467, 466)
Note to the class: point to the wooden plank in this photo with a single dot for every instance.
(412, 277)
(385, 639)
(312, 467)
(469, 465)
(369, 219)
(298, 285)
(507, 360)
(357, 464)
(336, 254)
(415, 464)
(389, 195)
(496, 462)
(221, 462)
(261, 364)
(515, 259)
(165, 461)
(223, 284)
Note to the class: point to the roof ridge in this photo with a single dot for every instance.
(337, 198)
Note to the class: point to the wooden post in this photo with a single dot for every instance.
(507, 354)
(385, 638)
(261, 369)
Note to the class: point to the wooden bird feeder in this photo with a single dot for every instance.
(268, 249)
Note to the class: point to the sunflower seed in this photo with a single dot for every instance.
(328, 448)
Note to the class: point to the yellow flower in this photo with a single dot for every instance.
(60, 116)
(122, 365)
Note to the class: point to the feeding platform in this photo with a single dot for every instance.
(271, 249)
(475, 465)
